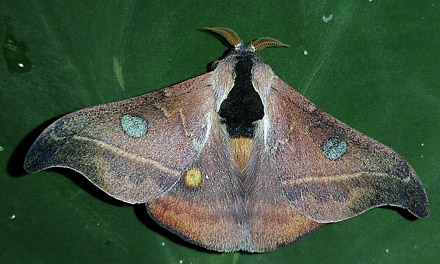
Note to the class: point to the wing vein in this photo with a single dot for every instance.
(124, 153)
(336, 177)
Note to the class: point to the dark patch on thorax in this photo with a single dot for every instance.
(243, 105)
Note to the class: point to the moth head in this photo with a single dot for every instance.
(232, 37)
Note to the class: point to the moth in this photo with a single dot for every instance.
(234, 159)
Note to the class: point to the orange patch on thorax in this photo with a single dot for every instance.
(241, 149)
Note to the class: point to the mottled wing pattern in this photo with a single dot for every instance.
(211, 213)
(134, 149)
(273, 220)
(329, 171)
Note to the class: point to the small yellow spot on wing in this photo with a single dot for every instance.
(193, 177)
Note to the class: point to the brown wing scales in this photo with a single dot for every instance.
(119, 146)
(336, 171)
(212, 214)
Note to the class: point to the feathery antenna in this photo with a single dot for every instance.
(230, 35)
(265, 42)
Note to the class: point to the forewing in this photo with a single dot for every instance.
(330, 171)
(134, 149)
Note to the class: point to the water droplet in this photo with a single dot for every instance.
(15, 51)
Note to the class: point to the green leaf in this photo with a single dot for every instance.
(372, 64)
